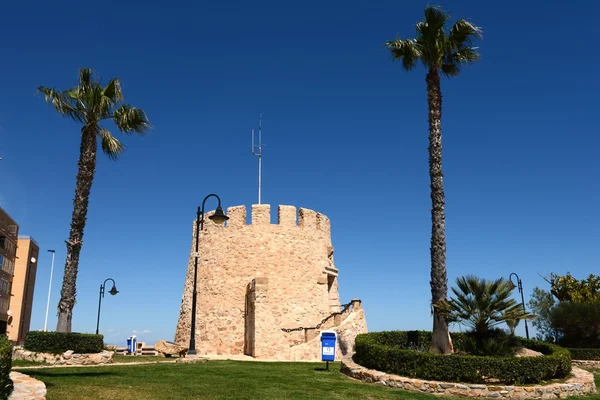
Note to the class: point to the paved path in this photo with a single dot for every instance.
(26, 387)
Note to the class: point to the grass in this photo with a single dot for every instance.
(137, 359)
(23, 363)
(212, 380)
(217, 380)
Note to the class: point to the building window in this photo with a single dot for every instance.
(7, 265)
(7, 245)
(4, 286)
(4, 304)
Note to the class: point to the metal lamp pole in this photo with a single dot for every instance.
(218, 217)
(49, 289)
(520, 287)
(112, 291)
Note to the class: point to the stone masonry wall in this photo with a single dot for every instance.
(66, 358)
(587, 363)
(354, 324)
(295, 256)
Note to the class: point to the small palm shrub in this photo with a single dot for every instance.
(481, 306)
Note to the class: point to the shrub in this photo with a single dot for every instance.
(481, 305)
(59, 342)
(388, 352)
(578, 323)
(6, 385)
(585, 354)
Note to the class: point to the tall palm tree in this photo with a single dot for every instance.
(90, 104)
(441, 51)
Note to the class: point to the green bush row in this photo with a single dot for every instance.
(59, 342)
(392, 352)
(585, 354)
(6, 385)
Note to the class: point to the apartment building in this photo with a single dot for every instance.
(9, 234)
(22, 288)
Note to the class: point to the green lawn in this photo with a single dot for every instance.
(137, 359)
(22, 363)
(215, 380)
(211, 380)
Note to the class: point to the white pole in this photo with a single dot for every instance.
(259, 155)
(259, 175)
(49, 289)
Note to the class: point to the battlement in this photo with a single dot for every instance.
(286, 216)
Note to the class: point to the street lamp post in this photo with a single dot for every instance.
(49, 289)
(520, 287)
(218, 217)
(112, 291)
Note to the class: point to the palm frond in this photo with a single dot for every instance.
(110, 145)
(462, 34)
(432, 37)
(62, 103)
(406, 50)
(85, 78)
(466, 55)
(113, 91)
(130, 119)
(450, 70)
(435, 20)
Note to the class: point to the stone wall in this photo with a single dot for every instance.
(581, 383)
(66, 358)
(352, 324)
(587, 363)
(295, 257)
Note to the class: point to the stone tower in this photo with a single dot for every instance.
(258, 280)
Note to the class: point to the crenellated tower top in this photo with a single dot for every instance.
(287, 216)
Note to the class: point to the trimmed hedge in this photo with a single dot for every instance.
(585, 354)
(392, 352)
(6, 385)
(59, 342)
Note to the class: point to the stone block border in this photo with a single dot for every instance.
(587, 363)
(66, 358)
(580, 384)
(26, 387)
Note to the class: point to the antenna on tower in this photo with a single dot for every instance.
(257, 151)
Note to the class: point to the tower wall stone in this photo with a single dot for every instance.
(285, 268)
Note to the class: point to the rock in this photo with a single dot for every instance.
(170, 349)
(523, 352)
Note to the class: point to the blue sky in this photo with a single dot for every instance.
(346, 135)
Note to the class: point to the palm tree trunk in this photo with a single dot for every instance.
(83, 186)
(440, 341)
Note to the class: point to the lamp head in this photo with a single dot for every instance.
(114, 290)
(219, 216)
